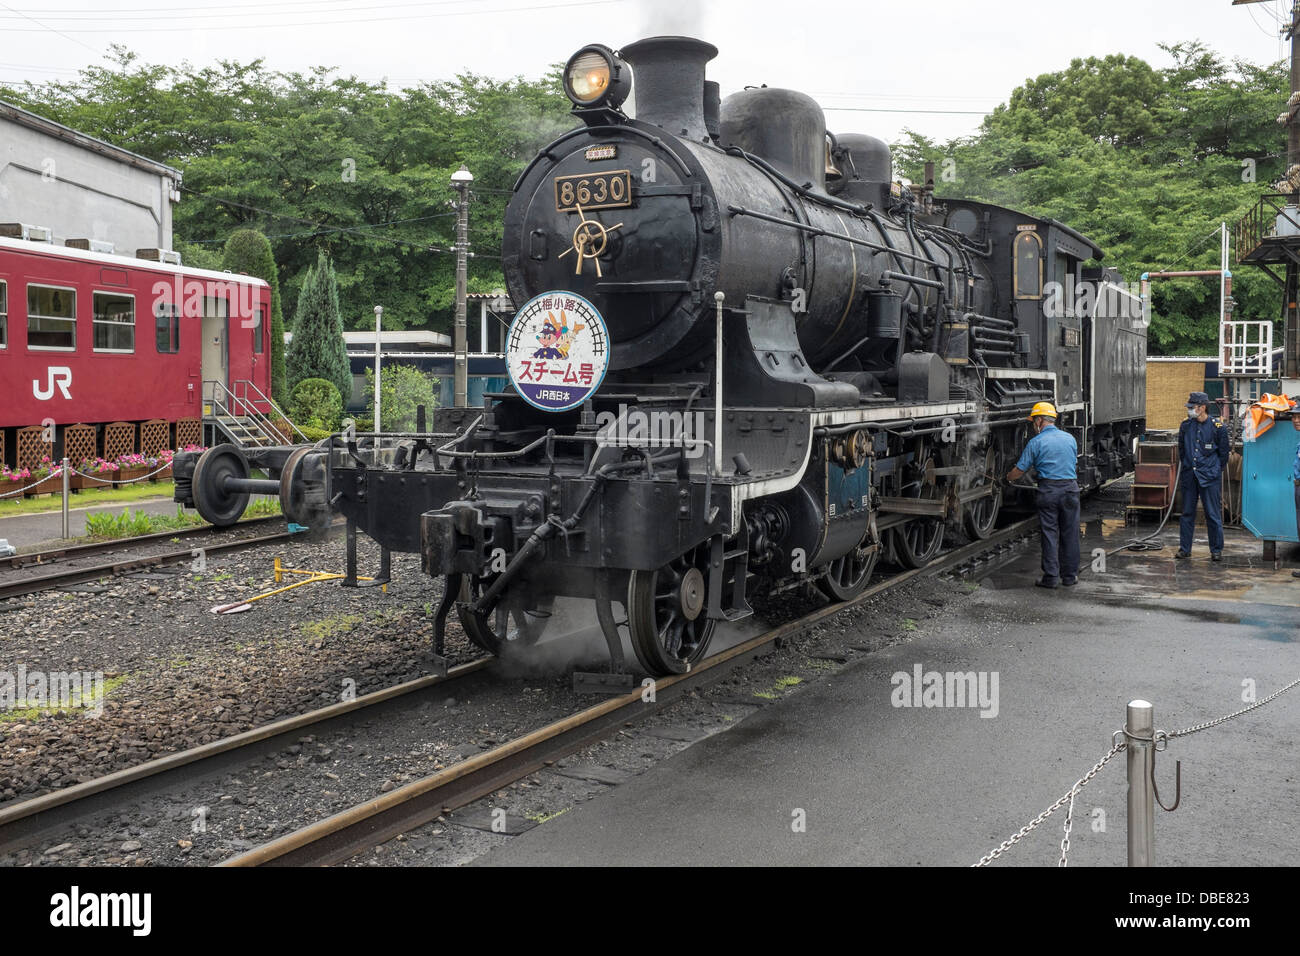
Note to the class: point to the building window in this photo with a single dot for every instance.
(51, 318)
(114, 328)
(167, 328)
(4, 315)
(258, 331)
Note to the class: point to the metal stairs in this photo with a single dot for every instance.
(245, 417)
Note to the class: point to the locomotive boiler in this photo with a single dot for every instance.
(746, 358)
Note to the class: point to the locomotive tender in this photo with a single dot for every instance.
(845, 364)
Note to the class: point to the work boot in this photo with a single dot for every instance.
(1182, 554)
(1295, 574)
(1069, 582)
(1046, 583)
(1216, 555)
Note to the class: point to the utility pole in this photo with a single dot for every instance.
(460, 181)
(1290, 186)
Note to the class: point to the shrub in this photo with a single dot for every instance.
(316, 402)
(402, 388)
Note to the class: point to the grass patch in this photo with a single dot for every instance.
(782, 683)
(130, 523)
(329, 627)
(909, 624)
(22, 714)
(88, 497)
(547, 817)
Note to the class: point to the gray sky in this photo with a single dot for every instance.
(921, 57)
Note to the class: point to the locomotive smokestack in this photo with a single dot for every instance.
(668, 80)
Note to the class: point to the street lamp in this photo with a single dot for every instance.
(460, 181)
(379, 313)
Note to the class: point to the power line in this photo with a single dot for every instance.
(298, 23)
(876, 109)
(161, 14)
(49, 28)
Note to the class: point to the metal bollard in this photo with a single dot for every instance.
(65, 499)
(1139, 729)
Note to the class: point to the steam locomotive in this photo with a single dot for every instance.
(747, 359)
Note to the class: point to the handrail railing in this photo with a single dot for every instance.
(262, 396)
(1262, 223)
(222, 400)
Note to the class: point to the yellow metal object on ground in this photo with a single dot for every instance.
(311, 577)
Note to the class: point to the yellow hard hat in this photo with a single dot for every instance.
(1045, 409)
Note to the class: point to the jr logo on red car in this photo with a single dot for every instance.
(57, 376)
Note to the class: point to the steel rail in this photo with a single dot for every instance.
(20, 821)
(352, 831)
(27, 559)
(79, 575)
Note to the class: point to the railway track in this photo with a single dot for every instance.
(21, 823)
(359, 828)
(344, 835)
(27, 573)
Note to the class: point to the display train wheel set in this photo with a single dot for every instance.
(746, 360)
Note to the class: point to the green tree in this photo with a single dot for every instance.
(1145, 162)
(317, 160)
(317, 349)
(401, 389)
(248, 251)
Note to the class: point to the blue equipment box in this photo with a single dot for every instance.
(1267, 493)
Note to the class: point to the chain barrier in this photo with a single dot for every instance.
(58, 470)
(1160, 739)
(1197, 728)
(1042, 817)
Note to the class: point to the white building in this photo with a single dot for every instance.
(81, 187)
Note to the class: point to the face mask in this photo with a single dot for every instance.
(1192, 413)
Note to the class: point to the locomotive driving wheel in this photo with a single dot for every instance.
(667, 613)
(918, 541)
(517, 620)
(982, 513)
(848, 576)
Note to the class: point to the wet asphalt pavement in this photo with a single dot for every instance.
(859, 768)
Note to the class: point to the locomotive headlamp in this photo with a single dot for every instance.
(596, 77)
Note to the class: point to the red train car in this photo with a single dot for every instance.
(88, 337)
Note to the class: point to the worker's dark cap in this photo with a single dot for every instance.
(1197, 398)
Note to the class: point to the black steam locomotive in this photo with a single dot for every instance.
(746, 359)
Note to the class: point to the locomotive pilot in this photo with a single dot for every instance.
(1203, 454)
(1053, 455)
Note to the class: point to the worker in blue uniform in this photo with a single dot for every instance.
(1053, 454)
(1203, 454)
(1295, 481)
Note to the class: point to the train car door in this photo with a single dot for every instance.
(216, 335)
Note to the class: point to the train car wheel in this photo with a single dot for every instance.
(848, 576)
(512, 623)
(917, 542)
(982, 513)
(668, 614)
(212, 501)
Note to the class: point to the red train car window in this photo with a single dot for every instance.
(4, 315)
(167, 329)
(114, 322)
(51, 318)
(257, 331)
